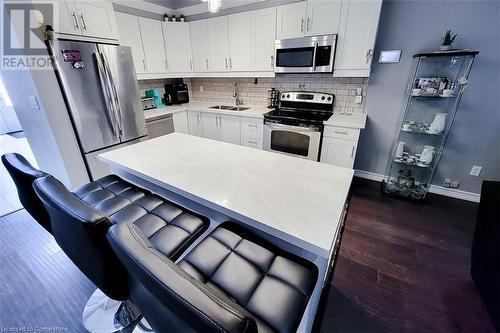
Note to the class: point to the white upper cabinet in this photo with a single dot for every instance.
(97, 19)
(67, 21)
(154, 48)
(357, 33)
(86, 18)
(199, 45)
(130, 35)
(178, 46)
(239, 37)
(218, 59)
(291, 20)
(323, 17)
(263, 35)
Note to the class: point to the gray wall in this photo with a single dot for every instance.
(414, 26)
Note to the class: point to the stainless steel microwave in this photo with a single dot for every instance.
(314, 54)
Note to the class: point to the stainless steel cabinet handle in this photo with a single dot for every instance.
(84, 26)
(144, 64)
(226, 63)
(198, 118)
(352, 151)
(307, 24)
(253, 142)
(272, 61)
(230, 62)
(369, 55)
(340, 132)
(206, 62)
(254, 126)
(302, 25)
(76, 20)
(190, 64)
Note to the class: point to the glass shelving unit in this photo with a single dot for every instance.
(434, 94)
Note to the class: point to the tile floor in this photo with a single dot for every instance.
(16, 142)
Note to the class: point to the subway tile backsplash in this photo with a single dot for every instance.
(220, 90)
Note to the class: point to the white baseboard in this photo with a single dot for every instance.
(440, 190)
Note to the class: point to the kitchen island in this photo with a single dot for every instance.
(299, 205)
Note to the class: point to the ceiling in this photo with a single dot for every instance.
(175, 4)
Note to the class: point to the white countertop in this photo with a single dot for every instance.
(353, 120)
(291, 196)
(253, 111)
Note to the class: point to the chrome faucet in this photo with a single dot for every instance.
(236, 94)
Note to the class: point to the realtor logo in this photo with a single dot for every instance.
(24, 33)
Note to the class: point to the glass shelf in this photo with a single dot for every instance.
(437, 72)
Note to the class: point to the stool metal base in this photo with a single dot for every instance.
(143, 327)
(105, 315)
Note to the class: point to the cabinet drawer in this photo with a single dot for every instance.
(341, 132)
(251, 127)
(251, 142)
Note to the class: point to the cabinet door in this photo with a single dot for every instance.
(291, 20)
(230, 129)
(154, 49)
(263, 34)
(210, 125)
(177, 46)
(97, 19)
(357, 32)
(199, 45)
(239, 37)
(181, 122)
(130, 35)
(338, 152)
(218, 44)
(323, 17)
(67, 21)
(195, 127)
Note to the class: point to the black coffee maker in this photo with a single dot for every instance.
(176, 93)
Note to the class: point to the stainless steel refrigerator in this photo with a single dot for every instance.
(102, 95)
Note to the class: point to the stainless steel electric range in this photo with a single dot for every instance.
(296, 126)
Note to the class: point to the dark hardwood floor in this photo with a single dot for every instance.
(403, 267)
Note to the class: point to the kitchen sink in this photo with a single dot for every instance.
(229, 108)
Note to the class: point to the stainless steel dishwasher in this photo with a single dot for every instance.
(160, 125)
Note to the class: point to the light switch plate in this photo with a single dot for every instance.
(33, 103)
(389, 56)
(201, 88)
(475, 171)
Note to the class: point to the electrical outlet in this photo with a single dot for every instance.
(359, 91)
(447, 182)
(475, 171)
(33, 102)
(201, 88)
(358, 99)
(454, 184)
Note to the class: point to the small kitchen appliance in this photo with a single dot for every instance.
(177, 93)
(295, 128)
(155, 93)
(273, 98)
(148, 103)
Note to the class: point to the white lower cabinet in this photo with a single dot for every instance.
(339, 146)
(181, 124)
(195, 124)
(221, 127)
(252, 132)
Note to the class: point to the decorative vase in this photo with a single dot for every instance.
(427, 155)
(400, 149)
(445, 47)
(438, 124)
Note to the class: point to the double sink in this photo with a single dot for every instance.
(229, 108)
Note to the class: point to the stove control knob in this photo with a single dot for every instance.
(329, 99)
(288, 96)
(322, 98)
(283, 96)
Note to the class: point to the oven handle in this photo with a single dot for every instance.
(292, 128)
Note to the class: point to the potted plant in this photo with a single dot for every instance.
(447, 40)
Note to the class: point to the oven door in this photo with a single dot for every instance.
(305, 55)
(295, 141)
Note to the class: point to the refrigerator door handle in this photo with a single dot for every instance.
(106, 93)
(112, 87)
